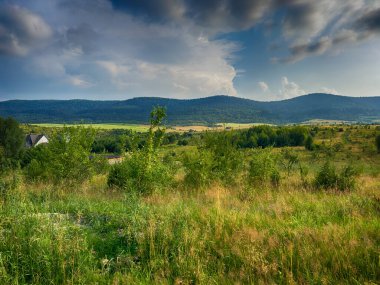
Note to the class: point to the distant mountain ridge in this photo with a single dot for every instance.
(208, 110)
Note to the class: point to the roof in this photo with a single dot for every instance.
(32, 139)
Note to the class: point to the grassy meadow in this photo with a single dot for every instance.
(220, 232)
(133, 127)
(144, 128)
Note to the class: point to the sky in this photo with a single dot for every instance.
(258, 49)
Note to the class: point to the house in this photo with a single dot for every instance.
(33, 140)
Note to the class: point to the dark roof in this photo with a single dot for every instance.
(32, 139)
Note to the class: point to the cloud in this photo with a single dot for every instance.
(290, 89)
(309, 28)
(21, 30)
(315, 27)
(299, 52)
(329, 91)
(79, 81)
(370, 21)
(263, 86)
(213, 16)
(103, 50)
(170, 48)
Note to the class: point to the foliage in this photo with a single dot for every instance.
(377, 141)
(204, 111)
(11, 142)
(263, 168)
(328, 177)
(271, 235)
(289, 159)
(309, 143)
(65, 159)
(217, 159)
(265, 136)
(143, 171)
(198, 168)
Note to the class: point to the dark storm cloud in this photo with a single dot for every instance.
(298, 16)
(82, 37)
(315, 27)
(369, 21)
(220, 15)
(159, 10)
(21, 30)
(301, 51)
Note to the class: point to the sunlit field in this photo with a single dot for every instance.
(196, 215)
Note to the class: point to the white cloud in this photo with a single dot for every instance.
(79, 81)
(263, 86)
(290, 89)
(21, 30)
(145, 59)
(329, 91)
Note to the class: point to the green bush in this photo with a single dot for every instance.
(7, 185)
(328, 177)
(347, 178)
(143, 171)
(134, 175)
(217, 158)
(309, 143)
(263, 168)
(198, 168)
(65, 158)
(377, 142)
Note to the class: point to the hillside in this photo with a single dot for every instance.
(196, 111)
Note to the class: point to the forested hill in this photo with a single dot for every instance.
(207, 110)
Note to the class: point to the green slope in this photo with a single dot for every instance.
(207, 110)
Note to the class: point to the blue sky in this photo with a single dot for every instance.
(119, 49)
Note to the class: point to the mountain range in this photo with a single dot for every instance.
(209, 110)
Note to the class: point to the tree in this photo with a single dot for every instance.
(143, 171)
(378, 143)
(309, 143)
(11, 141)
(65, 158)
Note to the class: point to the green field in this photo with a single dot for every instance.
(133, 127)
(144, 128)
(204, 213)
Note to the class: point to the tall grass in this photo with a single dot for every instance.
(286, 235)
(248, 232)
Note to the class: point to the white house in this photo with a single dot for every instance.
(33, 140)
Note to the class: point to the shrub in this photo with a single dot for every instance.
(329, 178)
(347, 178)
(11, 138)
(198, 168)
(216, 159)
(144, 171)
(263, 168)
(65, 158)
(8, 184)
(289, 159)
(309, 143)
(377, 142)
(133, 174)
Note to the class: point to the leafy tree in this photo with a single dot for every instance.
(377, 141)
(309, 143)
(143, 171)
(329, 178)
(11, 142)
(65, 158)
(263, 168)
(11, 137)
(289, 159)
